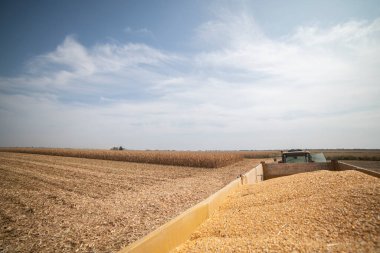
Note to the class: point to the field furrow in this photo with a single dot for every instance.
(65, 204)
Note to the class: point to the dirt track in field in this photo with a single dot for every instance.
(371, 165)
(61, 204)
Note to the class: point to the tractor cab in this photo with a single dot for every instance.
(296, 156)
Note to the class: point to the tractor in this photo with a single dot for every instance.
(301, 156)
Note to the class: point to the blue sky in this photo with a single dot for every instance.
(190, 74)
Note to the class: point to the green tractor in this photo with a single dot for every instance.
(301, 156)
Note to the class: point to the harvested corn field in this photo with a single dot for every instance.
(320, 211)
(202, 159)
(63, 204)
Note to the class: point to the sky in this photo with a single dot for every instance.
(190, 75)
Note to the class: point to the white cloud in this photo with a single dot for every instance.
(73, 70)
(316, 71)
(352, 34)
(242, 90)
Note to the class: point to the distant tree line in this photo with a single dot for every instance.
(117, 148)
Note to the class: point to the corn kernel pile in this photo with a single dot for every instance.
(320, 211)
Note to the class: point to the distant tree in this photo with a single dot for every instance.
(118, 148)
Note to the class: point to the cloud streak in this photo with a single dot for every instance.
(315, 87)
